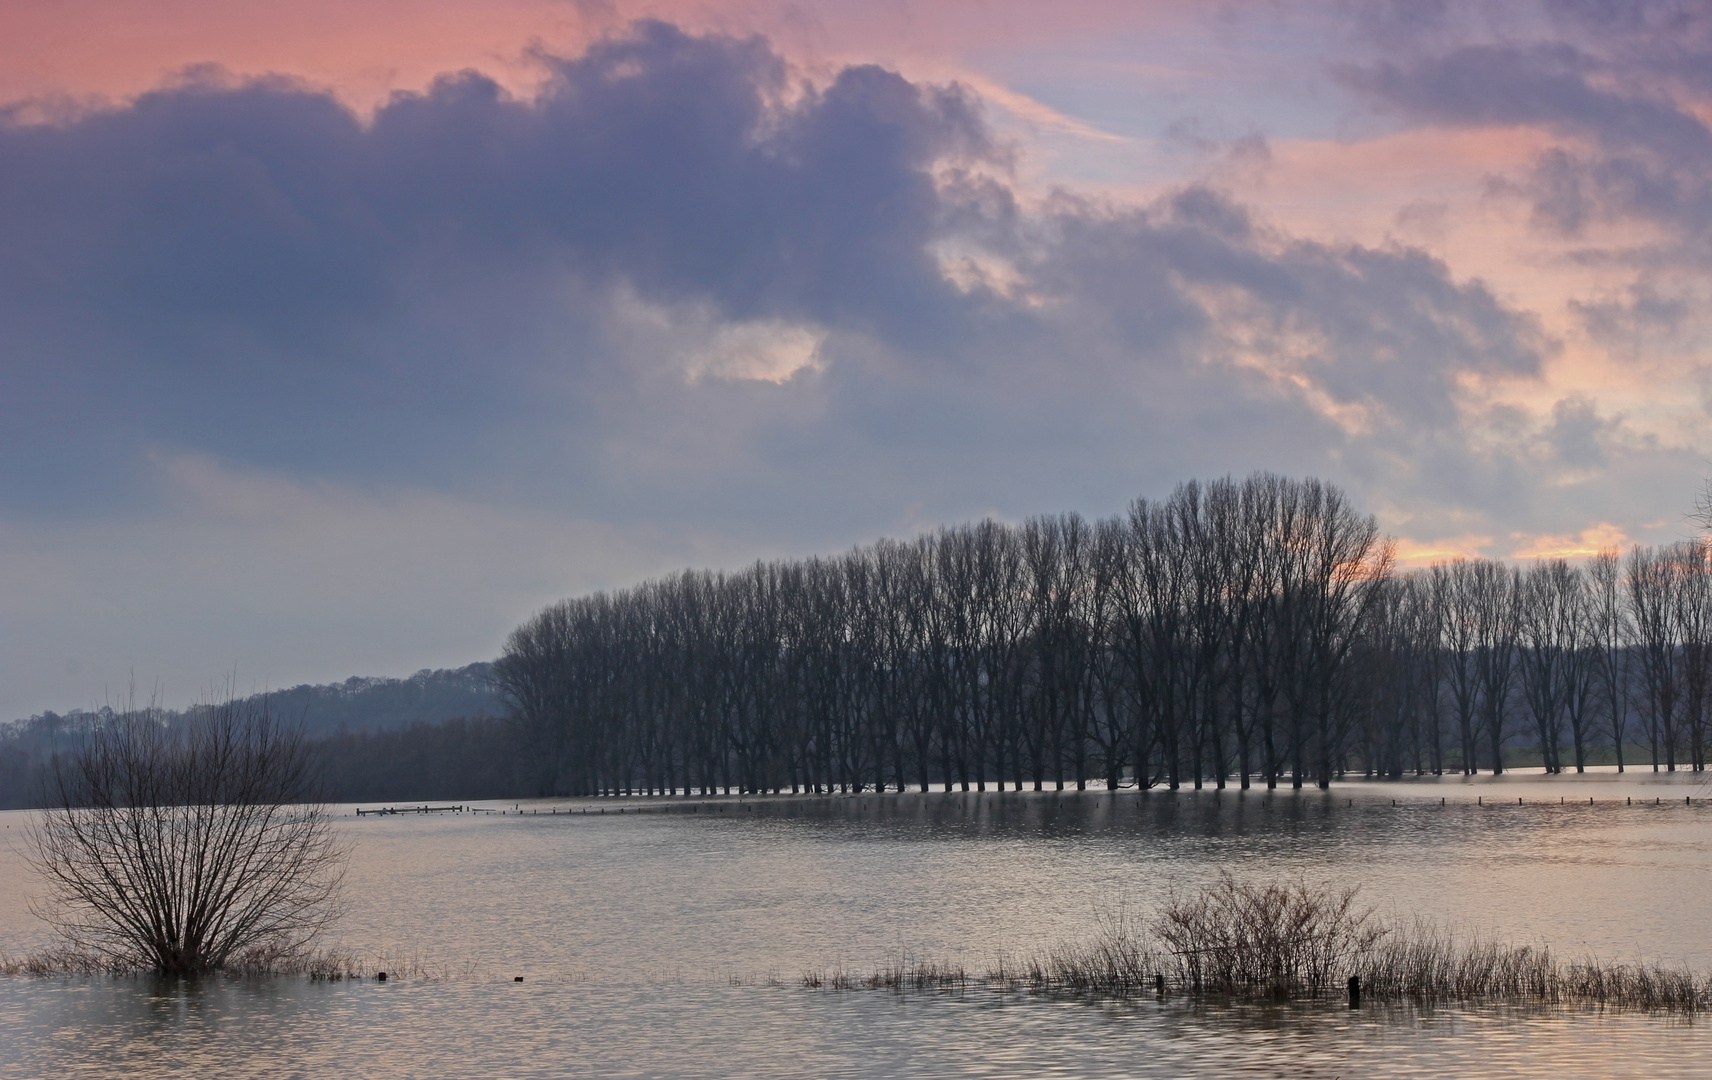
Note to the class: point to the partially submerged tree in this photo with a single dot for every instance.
(184, 848)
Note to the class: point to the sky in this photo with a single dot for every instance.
(337, 338)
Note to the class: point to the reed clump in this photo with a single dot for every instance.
(906, 972)
(60, 961)
(1423, 963)
(1276, 941)
(319, 965)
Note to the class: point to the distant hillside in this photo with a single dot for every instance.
(360, 704)
(353, 707)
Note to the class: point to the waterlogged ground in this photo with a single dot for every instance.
(672, 944)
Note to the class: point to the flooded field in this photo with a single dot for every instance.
(656, 943)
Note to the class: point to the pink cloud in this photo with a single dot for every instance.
(115, 48)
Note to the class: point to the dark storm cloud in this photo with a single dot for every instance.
(1616, 85)
(654, 157)
(215, 249)
(1548, 84)
(1382, 328)
(1651, 40)
(441, 294)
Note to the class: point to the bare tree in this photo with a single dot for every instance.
(1581, 669)
(1611, 632)
(1427, 651)
(1549, 616)
(1497, 592)
(1451, 585)
(1263, 509)
(1654, 579)
(1112, 725)
(1336, 571)
(188, 847)
(1694, 622)
(1153, 618)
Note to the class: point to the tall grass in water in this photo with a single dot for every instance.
(1424, 963)
(59, 962)
(905, 973)
(317, 965)
(1295, 941)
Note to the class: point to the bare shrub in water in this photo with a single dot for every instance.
(184, 849)
(1283, 940)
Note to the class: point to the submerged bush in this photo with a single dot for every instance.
(185, 847)
(1282, 940)
(1296, 940)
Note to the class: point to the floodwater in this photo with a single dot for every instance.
(672, 944)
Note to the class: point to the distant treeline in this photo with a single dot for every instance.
(454, 759)
(368, 731)
(1234, 632)
(1251, 631)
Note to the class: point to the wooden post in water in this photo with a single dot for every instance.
(1355, 991)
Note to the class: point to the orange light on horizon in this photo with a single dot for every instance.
(1413, 554)
(1601, 537)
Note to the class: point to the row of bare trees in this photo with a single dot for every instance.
(1236, 631)
(1573, 661)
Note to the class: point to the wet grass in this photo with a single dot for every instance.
(316, 965)
(905, 973)
(60, 962)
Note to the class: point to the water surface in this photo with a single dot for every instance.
(672, 943)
